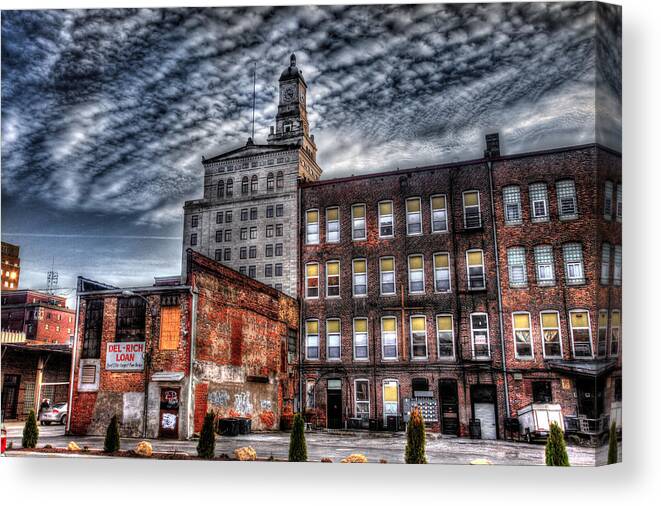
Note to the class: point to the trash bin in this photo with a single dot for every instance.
(373, 424)
(391, 423)
(475, 429)
(245, 425)
(228, 427)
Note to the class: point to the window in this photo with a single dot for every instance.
(442, 272)
(278, 249)
(268, 250)
(244, 185)
(581, 334)
(278, 269)
(253, 213)
(244, 214)
(512, 204)
(268, 270)
(416, 274)
(389, 337)
(333, 339)
(227, 254)
(539, 202)
(253, 232)
(269, 211)
(278, 230)
(418, 336)
(475, 265)
(279, 210)
(358, 231)
(312, 281)
(516, 265)
(360, 339)
(220, 192)
(243, 253)
(480, 335)
(602, 336)
(252, 252)
(87, 376)
(278, 286)
(362, 399)
(228, 216)
(269, 231)
(522, 335)
(472, 214)
(170, 327)
(605, 263)
(608, 200)
(551, 334)
(229, 188)
(280, 180)
(413, 216)
(439, 214)
(566, 200)
(387, 275)
(333, 224)
(390, 398)
(309, 393)
(541, 392)
(359, 277)
(218, 255)
(617, 265)
(219, 217)
(312, 339)
(219, 236)
(312, 227)
(573, 255)
(130, 319)
(93, 329)
(253, 184)
(270, 182)
(445, 336)
(615, 332)
(333, 279)
(385, 219)
(194, 220)
(252, 271)
(228, 235)
(544, 268)
(618, 202)
(193, 239)
(242, 269)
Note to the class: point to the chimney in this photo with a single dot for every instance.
(493, 146)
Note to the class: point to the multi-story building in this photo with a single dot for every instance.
(11, 266)
(44, 318)
(250, 205)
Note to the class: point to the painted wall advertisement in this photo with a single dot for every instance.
(125, 356)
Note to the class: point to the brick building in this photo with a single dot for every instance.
(11, 267)
(44, 318)
(160, 357)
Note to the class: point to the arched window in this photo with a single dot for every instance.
(244, 184)
(253, 184)
(221, 189)
(269, 181)
(230, 187)
(280, 180)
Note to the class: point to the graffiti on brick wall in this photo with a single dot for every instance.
(242, 403)
(219, 398)
(265, 404)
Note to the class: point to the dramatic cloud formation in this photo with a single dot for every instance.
(106, 113)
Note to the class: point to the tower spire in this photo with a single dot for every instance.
(254, 71)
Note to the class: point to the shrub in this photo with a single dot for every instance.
(556, 451)
(111, 443)
(206, 446)
(612, 444)
(298, 451)
(30, 432)
(415, 439)
(355, 458)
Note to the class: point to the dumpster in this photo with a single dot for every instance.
(475, 429)
(245, 425)
(228, 427)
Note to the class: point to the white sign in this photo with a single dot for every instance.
(125, 356)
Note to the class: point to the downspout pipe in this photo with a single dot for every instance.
(73, 362)
(193, 335)
(301, 299)
(489, 163)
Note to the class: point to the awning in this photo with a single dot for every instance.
(590, 368)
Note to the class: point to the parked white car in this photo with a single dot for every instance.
(57, 413)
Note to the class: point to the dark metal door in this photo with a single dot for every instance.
(10, 387)
(449, 407)
(169, 416)
(334, 409)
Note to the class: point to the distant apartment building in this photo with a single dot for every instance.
(11, 267)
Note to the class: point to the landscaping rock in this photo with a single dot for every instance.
(73, 447)
(355, 458)
(144, 448)
(246, 453)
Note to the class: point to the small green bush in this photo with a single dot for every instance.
(415, 439)
(556, 450)
(30, 432)
(206, 446)
(112, 443)
(298, 451)
(612, 444)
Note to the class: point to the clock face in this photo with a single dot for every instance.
(288, 93)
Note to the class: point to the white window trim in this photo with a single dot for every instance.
(524, 282)
(328, 357)
(355, 397)
(538, 279)
(306, 341)
(532, 341)
(353, 237)
(353, 340)
(608, 213)
(383, 356)
(318, 226)
(353, 279)
(607, 334)
(339, 278)
(308, 277)
(479, 206)
(407, 215)
(451, 358)
(339, 231)
(519, 220)
(571, 334)
(426, 357)
(431, 214)
(484, 277)
(392, 217)
(488, 357)
(394, 271)
(610, 334)
(541, 326)
(383, 397)
(449, 290)
(574, 215)
(408, 263)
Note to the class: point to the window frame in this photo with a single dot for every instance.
(561, 214)
(534, 217)
(353, 277)
(558, 328)
(465, 207)
(518, 355)
(619, 333)
(383, 343)
(451, 357)
(394, 276)
(329, 221)
(421, 270)
(436, 269)
(307, 342)
(468, 267)
(516, 189)
(367, 339)
(384, 383)
(353, 223)
(308, 278)
(308, 224)
(392, 218)
(569, 280)
(571, 333)
(339, 335)
(551, 264)
(411, 213)
(606, 335)
(338, 275)
(356, 401)
(426, 341)
(511, 251)
(488, 337)
(608, 200)
(605, 266)
(444, 209)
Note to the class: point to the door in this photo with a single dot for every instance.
(334, 404)
(449, 407)
(169, 415)
(486, 413)
(10, 396)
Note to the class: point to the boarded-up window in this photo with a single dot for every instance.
(93, 329)
(170, 327)
(130, 319)
(88, 374)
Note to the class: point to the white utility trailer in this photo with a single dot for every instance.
(536, 418)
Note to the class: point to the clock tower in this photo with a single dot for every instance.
(291, 121)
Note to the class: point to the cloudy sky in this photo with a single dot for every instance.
(107, 113)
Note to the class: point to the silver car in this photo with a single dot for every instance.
(57, 413)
